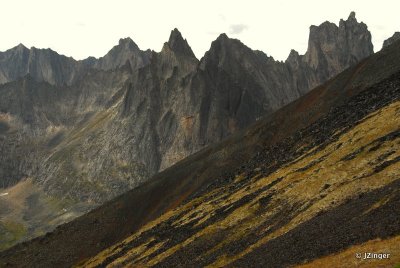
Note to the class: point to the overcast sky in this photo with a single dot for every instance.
(82, 28)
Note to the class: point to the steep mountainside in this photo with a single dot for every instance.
(85, 131)
(311, 183)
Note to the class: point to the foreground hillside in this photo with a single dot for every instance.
(310, 184)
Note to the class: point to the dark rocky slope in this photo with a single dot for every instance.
(274, 188)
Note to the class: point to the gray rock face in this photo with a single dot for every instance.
(331, 49)
(41, 64)
(395, 37)
(89, 130)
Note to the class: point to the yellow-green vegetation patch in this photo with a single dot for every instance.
(10, 233)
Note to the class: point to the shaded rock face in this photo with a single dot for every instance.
(89, 130)
(395, 37)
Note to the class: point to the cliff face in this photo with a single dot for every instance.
(86, 131)
(42, 64)
(331, 49)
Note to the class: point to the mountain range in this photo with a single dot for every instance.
(311, 184)
(74, 134)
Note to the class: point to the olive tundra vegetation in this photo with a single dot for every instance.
(254, 168)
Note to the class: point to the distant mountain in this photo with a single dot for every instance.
(46, 65)
(309, 185)
(86, 131)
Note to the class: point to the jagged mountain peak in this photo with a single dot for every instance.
(20, 46)
(127, 43)
(352, 16)
(352, 23)
(125, 50)
(178, 44)
(294, 58)
(223, 36)
(175, 36)
(293, 53)
(395, 37)
(350, 37)
(222, 49)
(224, 43)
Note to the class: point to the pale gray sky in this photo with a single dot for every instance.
(82, 28)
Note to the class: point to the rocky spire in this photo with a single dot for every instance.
(331, 47)
(178, 44)
(127, 43)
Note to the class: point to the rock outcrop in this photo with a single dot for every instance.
(331, 49)
(395, 37)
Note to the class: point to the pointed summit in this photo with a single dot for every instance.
(222, 36)
(126, 50)
(352, 16)
(21, 46)
(178, 44)
(128, 43)
(351, 21)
